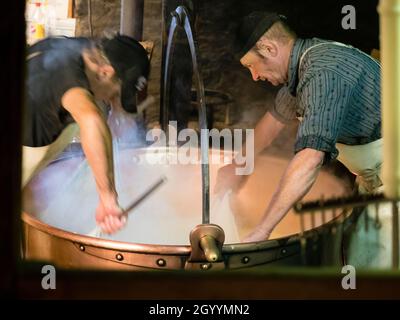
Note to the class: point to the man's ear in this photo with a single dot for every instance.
(91, 60)
(105, 71)
(267, 48)
(97, 64)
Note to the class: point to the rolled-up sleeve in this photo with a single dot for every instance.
(325, 100)
(285, 106)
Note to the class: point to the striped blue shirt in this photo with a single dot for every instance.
(335, 93)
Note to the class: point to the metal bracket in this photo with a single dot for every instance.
(206, 241)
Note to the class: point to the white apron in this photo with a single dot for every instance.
(369, 244)
(36, 159)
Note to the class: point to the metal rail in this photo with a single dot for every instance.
(354, 202)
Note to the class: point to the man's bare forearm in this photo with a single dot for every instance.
(97, 145)
(265, 132)
(96, 140)
(267, 129)
(297, 180)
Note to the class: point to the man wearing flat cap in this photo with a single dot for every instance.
(65, 78)
(331, 88)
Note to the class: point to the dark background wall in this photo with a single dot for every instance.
(105, 17)
(215, 27)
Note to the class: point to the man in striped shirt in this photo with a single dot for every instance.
(333, 89)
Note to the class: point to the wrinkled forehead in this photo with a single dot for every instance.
(250, 58)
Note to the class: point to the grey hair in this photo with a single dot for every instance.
(279, 31)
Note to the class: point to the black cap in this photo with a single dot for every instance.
(130, 62)
(251, 29)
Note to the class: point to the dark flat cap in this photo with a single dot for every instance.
(251, 29)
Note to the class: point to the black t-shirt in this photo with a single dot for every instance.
(54, 66)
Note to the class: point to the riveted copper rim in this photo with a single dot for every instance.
(149, 248)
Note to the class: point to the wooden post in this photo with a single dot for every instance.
(132, 18)
(389, 11)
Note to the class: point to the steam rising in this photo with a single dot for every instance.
(64, 194)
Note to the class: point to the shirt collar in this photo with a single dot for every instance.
(297, 50)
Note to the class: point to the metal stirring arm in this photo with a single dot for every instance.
(180, 17)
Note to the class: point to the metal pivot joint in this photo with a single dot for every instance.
(206, 241)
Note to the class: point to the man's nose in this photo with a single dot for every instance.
(254, 75)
